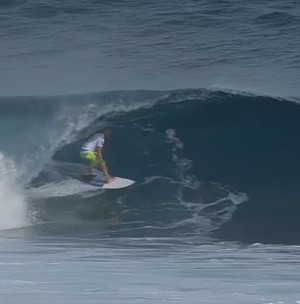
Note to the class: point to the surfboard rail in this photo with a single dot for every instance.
(99, 181)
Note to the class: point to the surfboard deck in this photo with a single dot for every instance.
(100, 182)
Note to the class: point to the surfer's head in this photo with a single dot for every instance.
(106, 131)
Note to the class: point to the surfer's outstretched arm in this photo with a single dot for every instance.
(103, 166)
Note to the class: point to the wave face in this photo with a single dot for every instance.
(209, 163)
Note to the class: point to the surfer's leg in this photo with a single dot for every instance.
(93, 162)
(91, 158)
(103, 167)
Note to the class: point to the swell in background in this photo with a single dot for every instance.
(89, 46)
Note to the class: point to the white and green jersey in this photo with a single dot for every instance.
(93, 143)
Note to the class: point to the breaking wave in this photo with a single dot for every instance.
(207, 162)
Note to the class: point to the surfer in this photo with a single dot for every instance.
(91, 151)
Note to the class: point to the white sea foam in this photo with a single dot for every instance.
(12, 202)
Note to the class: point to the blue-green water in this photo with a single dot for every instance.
(133, 270)
(202, 99)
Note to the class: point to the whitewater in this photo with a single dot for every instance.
(202, 98)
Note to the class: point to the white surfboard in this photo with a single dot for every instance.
(100, 182)
(118, 183)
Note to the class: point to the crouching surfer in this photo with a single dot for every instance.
(91, 151)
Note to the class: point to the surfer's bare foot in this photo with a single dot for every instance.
(109, 179)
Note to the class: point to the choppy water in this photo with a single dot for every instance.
(147, 271)
(202, 98)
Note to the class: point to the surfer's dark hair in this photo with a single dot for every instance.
(102, 130)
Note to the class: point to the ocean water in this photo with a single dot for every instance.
(202, 98)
